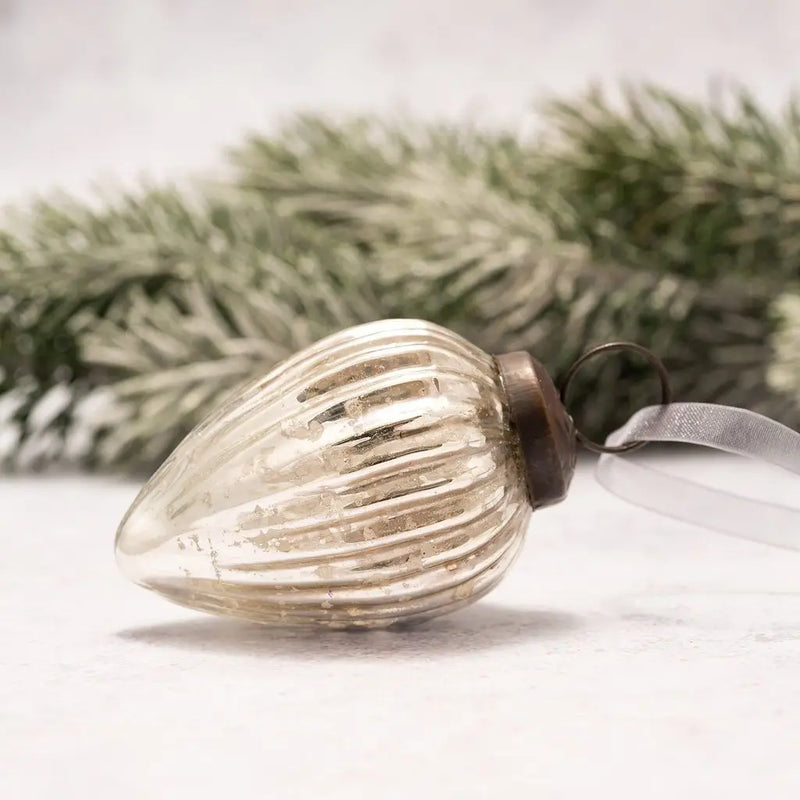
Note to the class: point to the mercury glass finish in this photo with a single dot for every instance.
(370, 479)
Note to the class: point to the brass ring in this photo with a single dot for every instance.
(663, 375)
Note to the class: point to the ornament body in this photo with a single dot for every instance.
(370, 479)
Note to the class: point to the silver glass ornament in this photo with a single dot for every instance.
(387, 473)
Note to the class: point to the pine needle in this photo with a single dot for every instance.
(671, 222)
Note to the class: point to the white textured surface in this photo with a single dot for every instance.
(625, 656)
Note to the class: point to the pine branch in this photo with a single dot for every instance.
(704, 190)
(784, 368)
(503, 271)
(664, 221)
(235, 290)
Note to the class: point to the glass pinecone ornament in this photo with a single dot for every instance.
(387, 473)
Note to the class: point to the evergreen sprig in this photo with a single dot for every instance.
(670, 222)
(703, 190)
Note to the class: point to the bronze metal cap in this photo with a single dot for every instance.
(543, 427)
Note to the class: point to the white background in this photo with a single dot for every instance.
(117, 88)
(626, 656)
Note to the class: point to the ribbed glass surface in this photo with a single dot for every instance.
(371, 478)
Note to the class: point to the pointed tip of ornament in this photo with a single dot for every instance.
(140, 532)
(127, 544)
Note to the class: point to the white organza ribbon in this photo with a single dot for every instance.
(734, 430)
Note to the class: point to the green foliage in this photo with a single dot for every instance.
(703, 190)
(784, 369)
(673, 223)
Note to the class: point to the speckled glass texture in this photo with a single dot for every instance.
(370, 479)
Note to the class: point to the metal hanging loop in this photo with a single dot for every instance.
(657, 363)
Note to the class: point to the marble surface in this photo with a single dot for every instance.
(625, 656)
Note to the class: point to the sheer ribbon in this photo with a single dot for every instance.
(733, 430)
